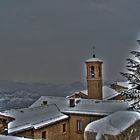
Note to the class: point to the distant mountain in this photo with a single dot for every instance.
(17, 94)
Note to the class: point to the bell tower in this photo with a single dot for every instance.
(94, 78)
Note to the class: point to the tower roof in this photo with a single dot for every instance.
(94, 60)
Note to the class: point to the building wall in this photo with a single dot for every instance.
(4, 120)
(119, 97)
(132, 133)
(94, 89)
(53, 132)
(25, 133)
(2, 128)
(86, 119)
(79, 95)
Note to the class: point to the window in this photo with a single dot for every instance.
(44, 135)
(92, 72)
(79, 126)
(64, 128)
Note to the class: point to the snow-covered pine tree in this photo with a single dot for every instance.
(133, 76)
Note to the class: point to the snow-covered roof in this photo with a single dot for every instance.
(6, 117)
(84, 106)
(52, 112)
(3, 115)
(114, 124)
(61, 102)
(94, 60)
(2, 137)
(123, 84)
(84, 92)
(109, 93)
(95, 107)
(36, 117)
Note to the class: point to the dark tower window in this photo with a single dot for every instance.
(92, 74)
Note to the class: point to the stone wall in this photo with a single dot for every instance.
(79, 135)
(53, 132)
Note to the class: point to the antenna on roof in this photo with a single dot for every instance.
(93, 51)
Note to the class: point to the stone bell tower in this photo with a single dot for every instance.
(94, 78)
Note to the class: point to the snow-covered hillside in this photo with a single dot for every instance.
(17, 95)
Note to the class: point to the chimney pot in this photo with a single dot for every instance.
(72, 102)
(45, 102)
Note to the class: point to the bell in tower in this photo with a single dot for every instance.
(94, 78)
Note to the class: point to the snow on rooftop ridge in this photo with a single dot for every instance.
(125, 84)
(84, 92)
(85, 112)
(114, 124)
(2, 137)
(58, 118)
(5, 115)
(94, 60)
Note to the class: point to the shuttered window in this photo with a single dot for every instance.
(79, 126)
(64, 128)
(44, 135)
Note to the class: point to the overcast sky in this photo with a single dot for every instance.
(49, 40)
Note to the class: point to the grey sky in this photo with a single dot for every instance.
(48, 40)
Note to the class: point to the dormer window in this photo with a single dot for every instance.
(92, 74)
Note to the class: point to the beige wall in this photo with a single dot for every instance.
(53, 132)
(74, 135)
(26, 134)
(94, 89)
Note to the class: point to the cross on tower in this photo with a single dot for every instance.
(93, 51)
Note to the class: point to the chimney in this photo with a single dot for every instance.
(45, 102)
(72, 102)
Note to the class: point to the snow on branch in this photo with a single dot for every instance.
(135, 53)
(132, 95)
